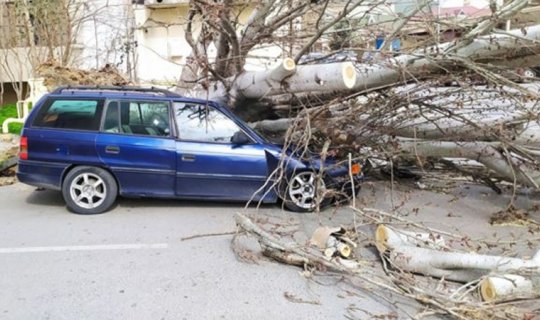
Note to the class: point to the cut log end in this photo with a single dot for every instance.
(288, 64)
(381, 238)
(487, 290)
(349, 75)
(506, 287)
(286, 68)
(344, 250)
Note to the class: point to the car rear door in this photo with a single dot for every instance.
(137, 145)
(208, 164)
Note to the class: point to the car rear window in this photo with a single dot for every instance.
(70, 114)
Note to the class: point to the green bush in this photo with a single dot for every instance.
(10, 111)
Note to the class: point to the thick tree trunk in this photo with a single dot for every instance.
(485, 153)
(273, 126)
(342, 77)
(308, 78)
(405, 254)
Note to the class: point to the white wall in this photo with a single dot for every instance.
(162, 48)
(161, 45)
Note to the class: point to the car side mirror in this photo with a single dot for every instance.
(240, 137)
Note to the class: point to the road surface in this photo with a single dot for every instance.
(130, 263)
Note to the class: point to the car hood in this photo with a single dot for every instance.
(310, 160)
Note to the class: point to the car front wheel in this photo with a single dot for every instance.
(304, 192)
(89, 190)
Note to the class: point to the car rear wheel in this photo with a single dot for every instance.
(89, 190)
(304, 192)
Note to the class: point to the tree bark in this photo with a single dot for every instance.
(463, 267)
(509, 287)
(483, 152)
(307, 78)
(273, 126)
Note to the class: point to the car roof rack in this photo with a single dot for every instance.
(154, 90)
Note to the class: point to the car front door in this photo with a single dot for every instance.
(137, 145)
(208, 163)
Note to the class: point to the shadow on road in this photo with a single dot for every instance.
(46, 198)
(54, 199)
(153, 202)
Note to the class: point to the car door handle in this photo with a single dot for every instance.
(188, 157)
(112, 149)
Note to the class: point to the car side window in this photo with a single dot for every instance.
(144, 118)
(112, 118)
(70, 114)
(203, 123)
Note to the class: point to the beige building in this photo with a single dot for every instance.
(162, 49)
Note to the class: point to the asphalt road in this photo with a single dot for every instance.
(130, 263)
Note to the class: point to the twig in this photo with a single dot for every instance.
(293, 298)
(208, 235)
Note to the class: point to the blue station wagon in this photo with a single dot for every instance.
(95, 143)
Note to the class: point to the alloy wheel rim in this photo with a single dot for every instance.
(305, 190)
(88, 190)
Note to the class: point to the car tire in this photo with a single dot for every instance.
(89, 190)
(302, 192)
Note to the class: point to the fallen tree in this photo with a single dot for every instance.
(236, 84)
(357, 105)
(432, 102)
(444, 300)
(368, 106)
